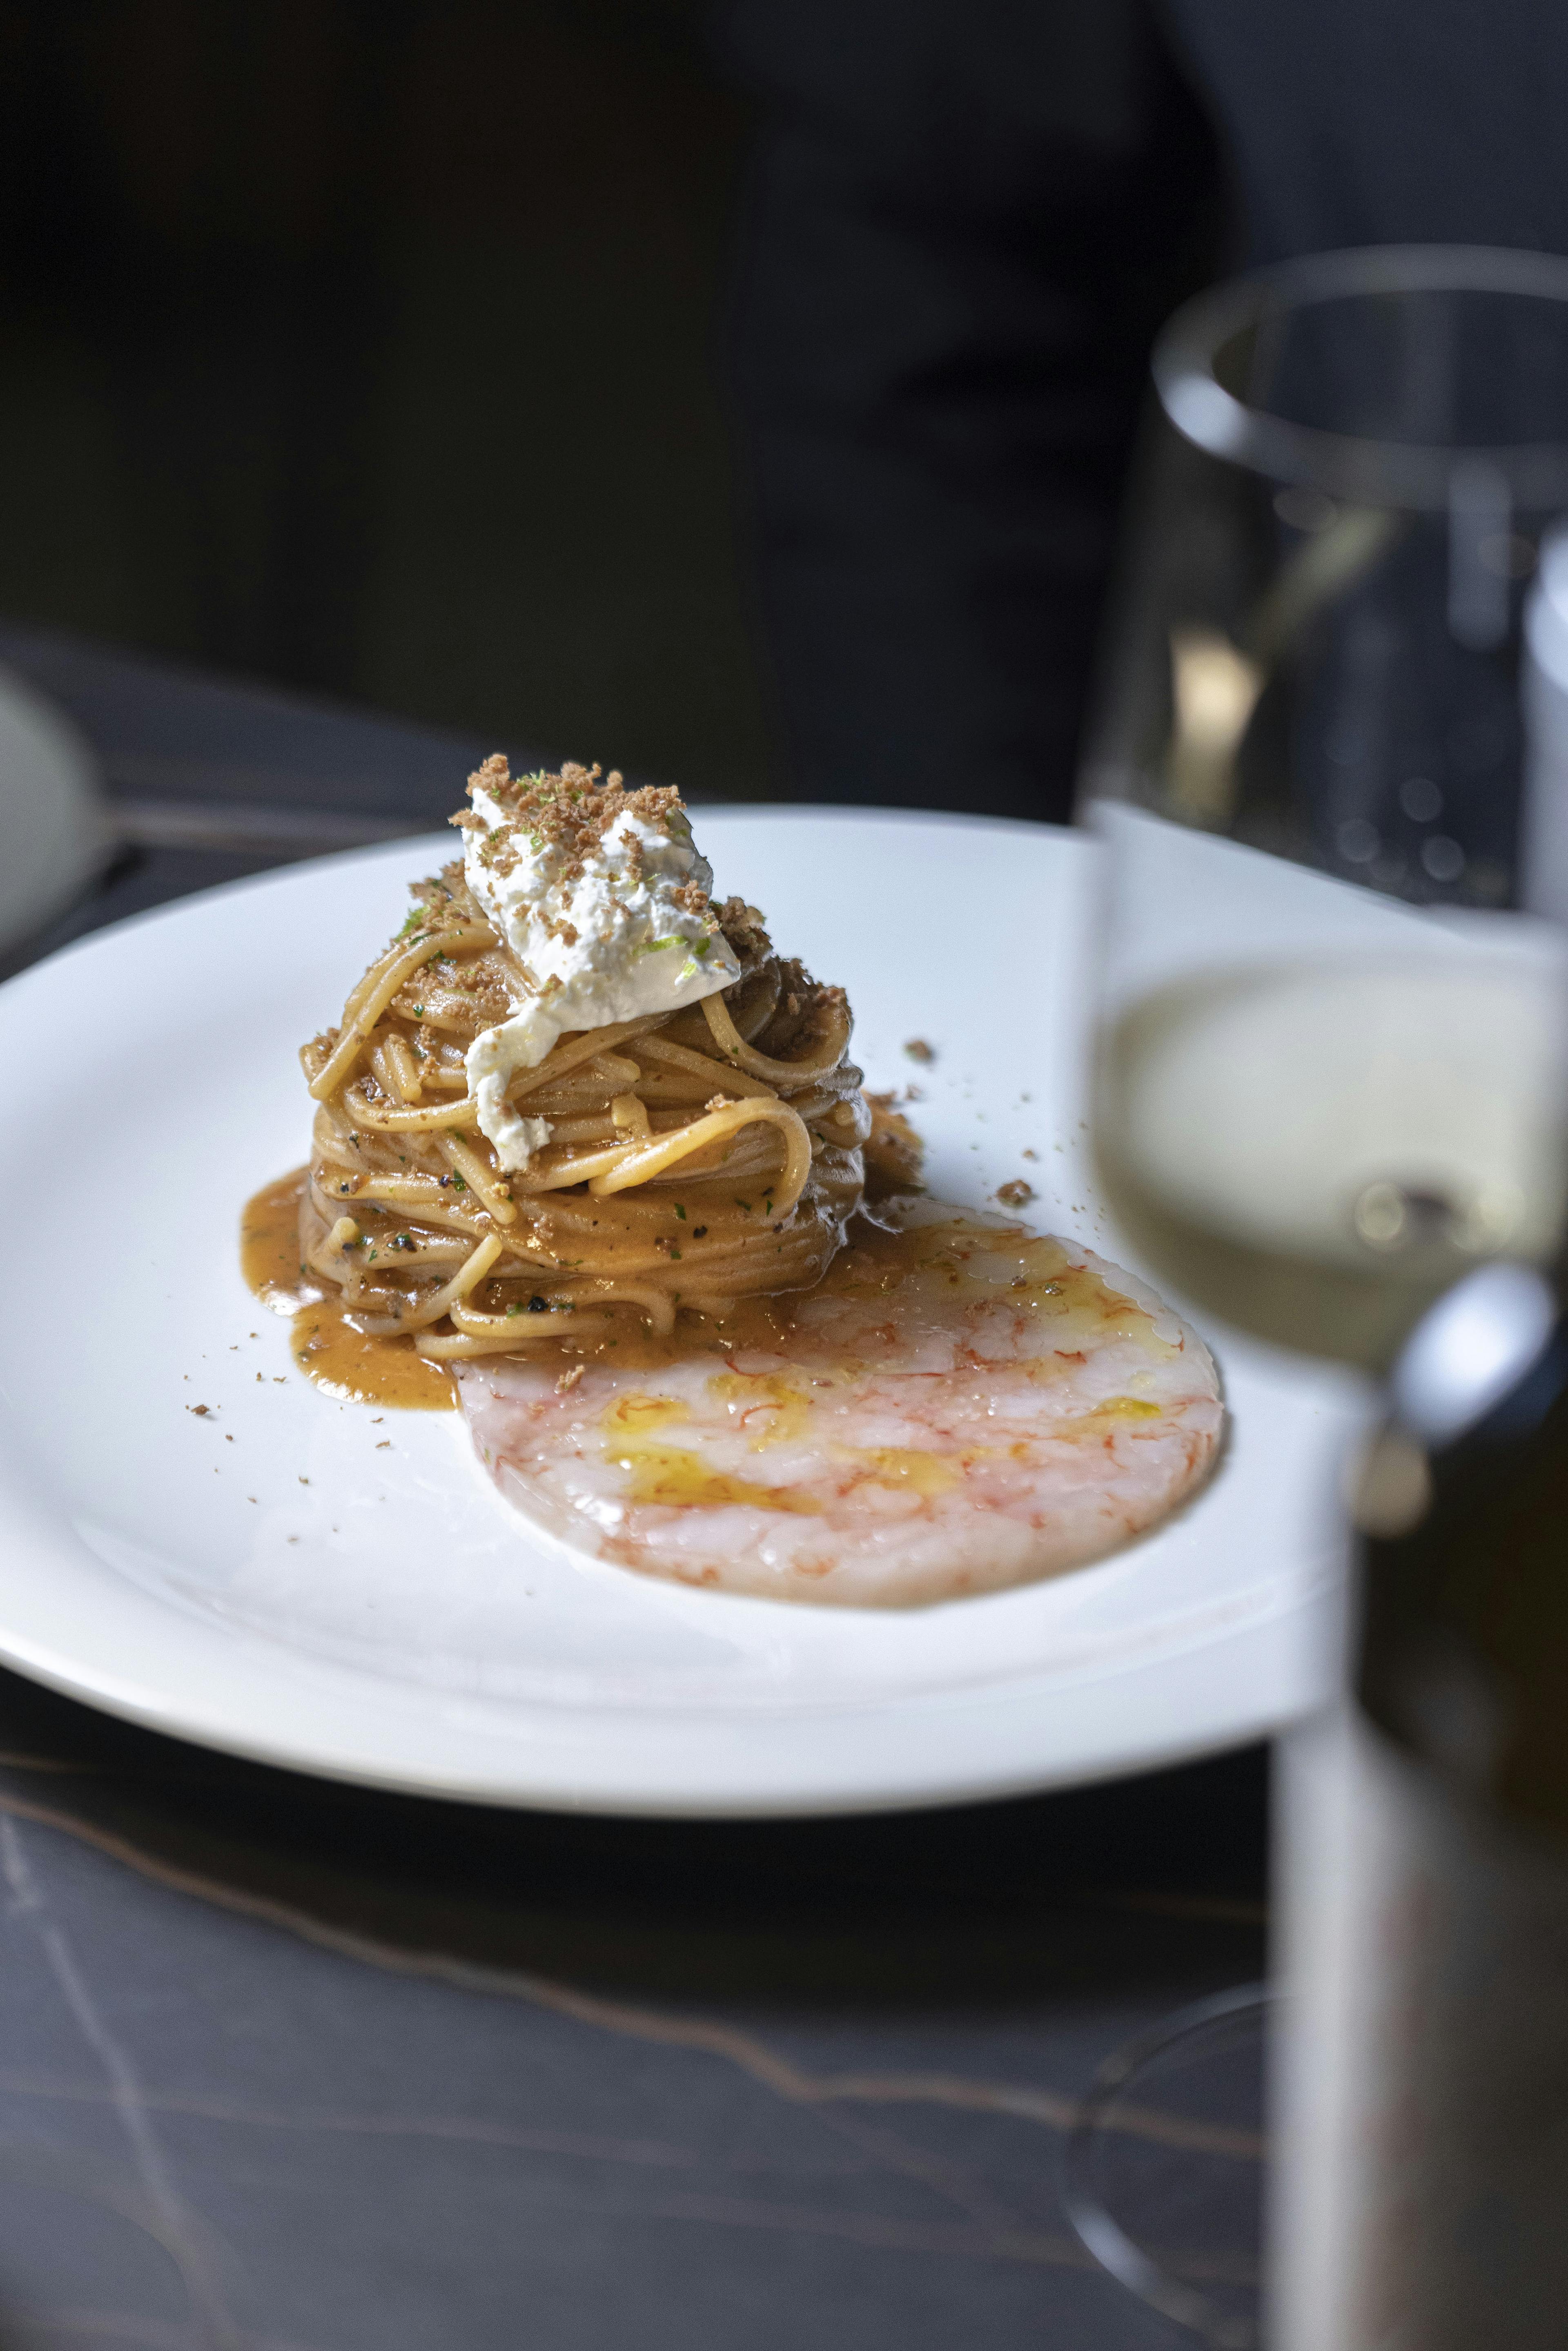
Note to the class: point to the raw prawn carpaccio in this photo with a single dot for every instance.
(959, 1406)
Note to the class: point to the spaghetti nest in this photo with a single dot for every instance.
(694, 1157)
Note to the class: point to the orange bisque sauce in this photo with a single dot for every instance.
(327, 1348)
(876, 1258)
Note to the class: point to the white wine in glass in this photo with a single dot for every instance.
(1331, 1069)
(1317, 1151)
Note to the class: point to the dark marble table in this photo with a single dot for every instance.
(302, 2068)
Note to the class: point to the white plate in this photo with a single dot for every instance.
(298, 1580)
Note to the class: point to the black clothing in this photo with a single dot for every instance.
(966, 218)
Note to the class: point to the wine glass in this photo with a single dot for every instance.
(1173, 2211)
(1330, 1060)
(1326, 1076)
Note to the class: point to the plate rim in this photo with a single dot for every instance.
(1268, 1662)
(402, 844)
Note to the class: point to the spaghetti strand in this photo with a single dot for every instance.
(688, 1166)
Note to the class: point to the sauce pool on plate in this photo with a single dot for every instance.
(329, 1350)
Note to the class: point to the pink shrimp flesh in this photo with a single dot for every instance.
(958, 1406)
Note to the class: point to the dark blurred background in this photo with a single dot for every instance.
(738, 390)
(374, 349)
(511, 367)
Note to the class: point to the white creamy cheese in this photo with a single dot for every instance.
(599, 929)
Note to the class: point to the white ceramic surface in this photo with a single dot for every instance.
(299, 1580)
(53, 830)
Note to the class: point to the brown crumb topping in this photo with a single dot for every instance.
(564, 815)
(803, 1012)
(1016, 1194)
(919, 1050)
(746, 930)
(892, 1151)
(570, 809)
